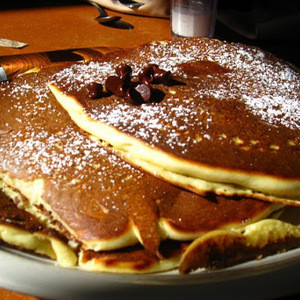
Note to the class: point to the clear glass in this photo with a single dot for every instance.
(193, 18)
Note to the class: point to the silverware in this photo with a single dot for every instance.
(3, 75)
(12, 66)
(12, 44)
(130, 3)
(110, 21)
(103, 16)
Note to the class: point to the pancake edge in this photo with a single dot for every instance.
(264, 186)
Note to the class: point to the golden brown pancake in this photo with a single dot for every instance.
(224, 248)
(228, 123)
(134, 259)
(88, 194)
(218, 248)
(119, 218)
(21, 230)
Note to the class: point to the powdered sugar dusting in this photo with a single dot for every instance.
(274, 109)
(19, 91)
(177, 121)
(53, 147)
(56, 154)
(267, 87)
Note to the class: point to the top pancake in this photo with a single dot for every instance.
(231, 126)
(86, 192)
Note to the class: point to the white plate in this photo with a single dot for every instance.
(272, 277)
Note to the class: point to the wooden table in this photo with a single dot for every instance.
(71, 26)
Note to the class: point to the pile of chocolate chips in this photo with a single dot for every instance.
(134, 92)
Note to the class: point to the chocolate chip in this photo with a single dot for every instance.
(138, 94)
(124, 72)
(144, 90)
(153, 74)
(146, 76)
(94, 89)
(162, 76)
(117, 86)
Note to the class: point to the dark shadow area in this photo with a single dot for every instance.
(8, 5)
(157, 95)
(120, 24)
(271, 25)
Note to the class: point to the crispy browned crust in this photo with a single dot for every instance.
(134, 259)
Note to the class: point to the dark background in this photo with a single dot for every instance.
(279, 21)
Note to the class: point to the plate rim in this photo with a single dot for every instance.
(14, 264)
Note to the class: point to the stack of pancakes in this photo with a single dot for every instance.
(193, 174)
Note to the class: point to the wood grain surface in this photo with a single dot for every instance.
(73, 26)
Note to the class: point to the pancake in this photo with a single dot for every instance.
(221, 248)
(21, 230)
(226, 122)
(88, 194)
(116, 218)
(134, 259)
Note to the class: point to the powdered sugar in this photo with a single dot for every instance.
(267, 87)
(53, 147)
(274, 109)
